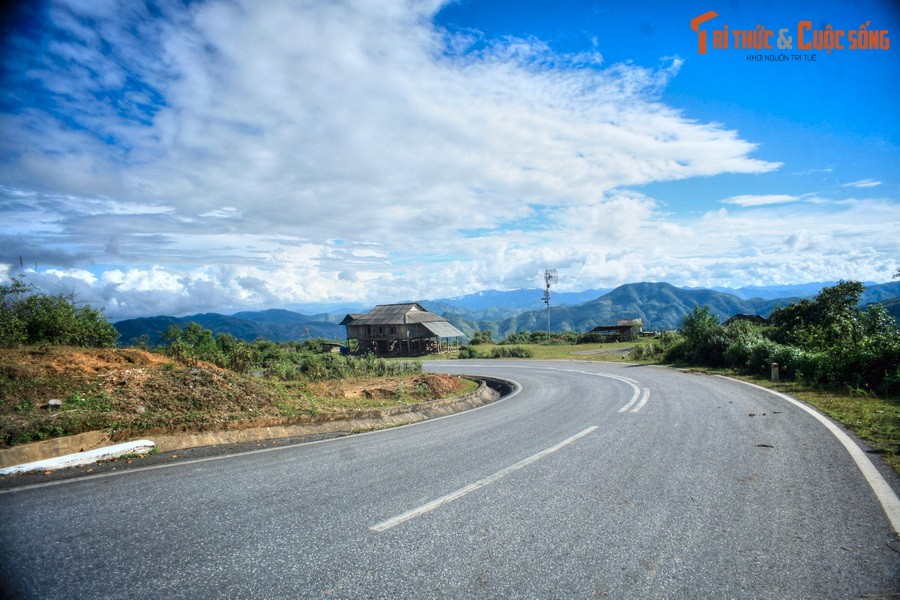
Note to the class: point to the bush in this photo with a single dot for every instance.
(742, 337)
(540, 337)
(469, 352)
(704, 341)
(659, 348)
(30, 317)
(827, 342)
(282, 369)
(511, 352)
(485, 336)
(830, 319)
(594, 337)
(520, 337)
(334, 366)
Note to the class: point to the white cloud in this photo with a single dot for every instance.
(226, 212)
(264, 154)
(763, 200)
(821, 171)
(863, 183)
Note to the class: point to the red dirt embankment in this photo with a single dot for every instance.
(130, 392)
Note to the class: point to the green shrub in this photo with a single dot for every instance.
(704, 338)
(520, 337)
(831, 318)
(30, 317)
(658, 348)
(469, 352)
(511, 352)
(334, 366)
(827, 342)
(540, 337)
(485, 336)
(282, 369)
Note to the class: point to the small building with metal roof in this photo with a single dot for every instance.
(400, 330)
(623, 331)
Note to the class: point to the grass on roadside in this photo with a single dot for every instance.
(129, 392)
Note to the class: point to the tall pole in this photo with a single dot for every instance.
(547, 302)
(550, 277)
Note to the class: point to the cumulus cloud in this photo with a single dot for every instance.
(225, 155)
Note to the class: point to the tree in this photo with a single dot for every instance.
(831, 318)
(704, 338)
(485, 336)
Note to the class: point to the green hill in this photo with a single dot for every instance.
(273, 325)
(660, 305)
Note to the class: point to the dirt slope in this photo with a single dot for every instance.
(132, 392)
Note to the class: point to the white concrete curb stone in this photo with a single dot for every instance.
(82, 458)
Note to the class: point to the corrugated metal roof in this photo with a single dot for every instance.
(443, 329)
(351, 318)
(396, 314)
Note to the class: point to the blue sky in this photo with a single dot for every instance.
(231, 155)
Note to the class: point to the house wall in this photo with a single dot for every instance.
(388, 332)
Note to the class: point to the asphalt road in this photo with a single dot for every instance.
(593, 481)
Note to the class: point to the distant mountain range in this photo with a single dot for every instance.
(661, 306)
(275, 325)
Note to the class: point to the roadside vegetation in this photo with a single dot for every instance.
(130, 392)
(29, 317)
(310, 360)
(60, 375)
(827, 343)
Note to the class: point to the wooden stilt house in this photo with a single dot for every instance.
(400, 330)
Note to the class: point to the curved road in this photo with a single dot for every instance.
(594, 480)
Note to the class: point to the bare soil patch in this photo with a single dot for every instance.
(130, 392)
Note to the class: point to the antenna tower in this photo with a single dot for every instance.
(550, 277)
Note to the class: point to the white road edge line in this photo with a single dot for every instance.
(430, 506)
(885, 494)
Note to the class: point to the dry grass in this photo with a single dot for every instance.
(132, 392)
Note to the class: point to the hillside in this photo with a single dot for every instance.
(515, 300)
(881, 292)
(130, 392)
(274, 325)
(660, 305)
